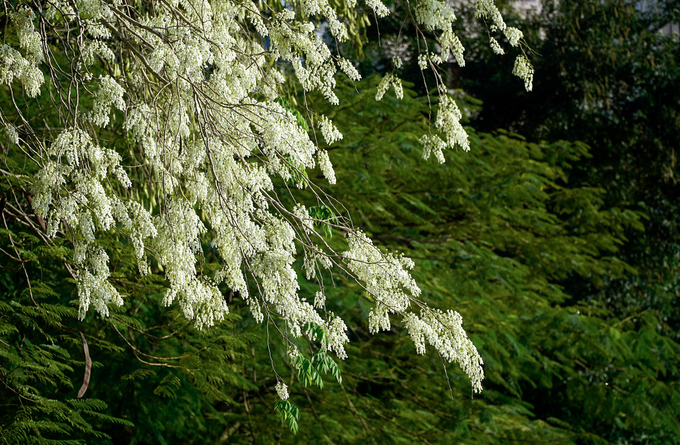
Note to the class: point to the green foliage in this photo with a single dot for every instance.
(500, 234)
(530, 241)
(154, 378)
(325, 363)
(309, 371)
(324, 219)
(607, 76)
(41, 353)
(289, 414)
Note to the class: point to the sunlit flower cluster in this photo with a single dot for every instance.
(444, 331)
(282, 390)
(23, 64)
(524, 71)
(385, 277)
(109, 95)
(384, 85)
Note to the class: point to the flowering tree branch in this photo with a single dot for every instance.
(192, 89)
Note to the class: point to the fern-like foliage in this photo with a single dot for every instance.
(41, 354)
(148, 375)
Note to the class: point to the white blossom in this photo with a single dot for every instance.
(29, 39)
(329, 131)
(487, 9)
(383, 86)
(398, 88)
(13, 65)
(397, 62)
(513, 35)
(448, 121)
(300, 212)
(434, 14)
(336, 336)
(423, 61)
(496, 47)
(282, 390)
(319, 300)
(378, 7)
(326, 166)
(12, 133)
(444, 331)
(524, 71)
(109, 94)
(385, 276)
(451, 44)
(349, 69)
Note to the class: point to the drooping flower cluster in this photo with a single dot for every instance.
(524, 71)
(282, 390)
(22, 63)
(384, 85)
(194, 87)
(109, 95)
(385, 277)
(448, 122)
(444, 331)
(437, 17)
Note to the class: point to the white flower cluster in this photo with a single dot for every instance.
(451, 45)
(444, 331)
(326, 166)
(422, 61)
(397, 62)
(487, 9)
(513, 35)
(448, 122)
(438, 17)
(29, 39)
(434, 15)
(378, 7)
(496, 47)
(301, 214)
(524, 71)
(323, 8)
(282, 390)
(110, 94)
(387, 280)
(385, 277)
(349, 69)
(384, 85)
(298, 43)
(12, 133)
(93, 285)
(329, 131)
(86, 207)
(24, 67)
